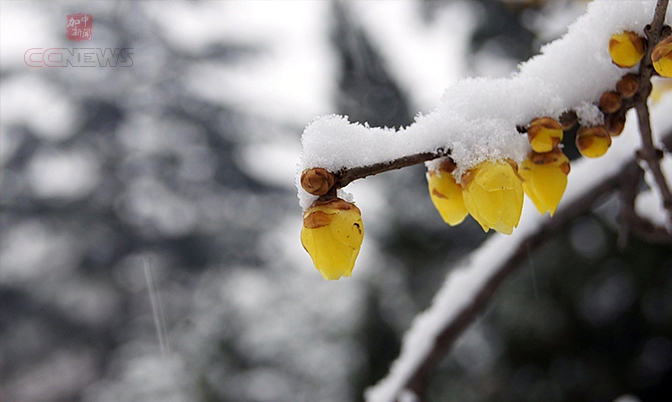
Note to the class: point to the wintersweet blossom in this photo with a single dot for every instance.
(493, 195)
(332, 234)
(626, 49)
(446, 194)
(593, 142)
(662, 57)
(544, 134)
(545, 179)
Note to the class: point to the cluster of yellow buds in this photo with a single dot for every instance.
(628, 48)
(594, 141)
(491, 193)
(544, 171)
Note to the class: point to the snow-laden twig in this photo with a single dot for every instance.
(649, 153)
(477, 119)
(469, 288)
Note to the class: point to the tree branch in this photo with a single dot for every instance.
(629, 174)
(443, 341)
(649, 153)
(347, 176)
(581, 206)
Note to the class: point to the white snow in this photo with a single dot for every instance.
(477, 117)
(463, 283)
(648, 204)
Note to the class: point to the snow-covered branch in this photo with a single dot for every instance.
(469, 288)
(477, 119)
(649, 153)
(481, 120)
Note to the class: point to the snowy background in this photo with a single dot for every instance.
(161, 196)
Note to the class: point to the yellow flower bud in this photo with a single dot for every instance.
(662, 57)
(545, 179)
(626, 49)
(446, 194)
(544, 134)
(593, 142)
(332, 234)
(493, 195)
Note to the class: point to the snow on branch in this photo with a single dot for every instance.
(477, 118)
(481, 120)
(468, 289)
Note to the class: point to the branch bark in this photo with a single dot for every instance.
(347, 176)
(562, 219)
(417, 383)
(649, 153)
(630, 173)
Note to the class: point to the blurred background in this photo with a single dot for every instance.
(150, 226)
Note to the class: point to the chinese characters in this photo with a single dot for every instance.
(79, 27)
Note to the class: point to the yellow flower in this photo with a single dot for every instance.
(493, 195)
(446, 194)
(626, 49)
(544, 134)
(332, 234)
(662, 57)
(545, 179)
(593, 142)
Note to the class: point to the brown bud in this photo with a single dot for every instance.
(610, 102)
(447, 165)
(568, 119)
(317, 181)
(614, 123)
(627, 85)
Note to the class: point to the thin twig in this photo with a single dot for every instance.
(632, 176)
(649, 153)
(347, 176)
